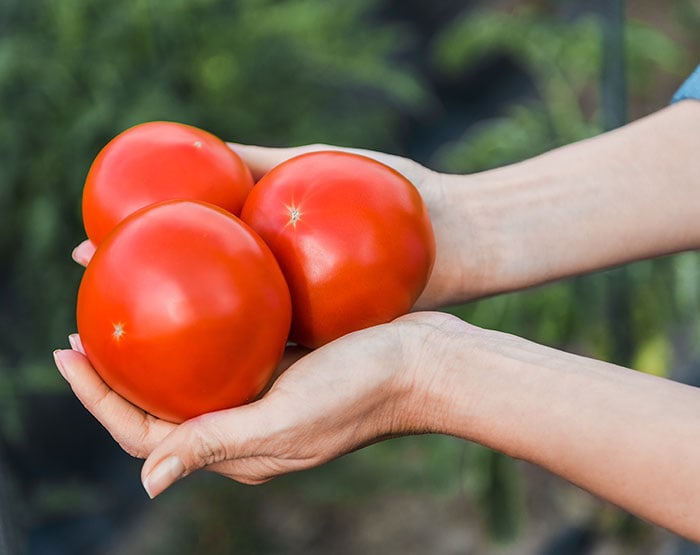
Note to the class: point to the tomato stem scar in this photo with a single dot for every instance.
(118, 332)
(294, 215)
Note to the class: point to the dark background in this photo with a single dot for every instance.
(460, 86)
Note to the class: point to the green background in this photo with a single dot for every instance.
(459, 86)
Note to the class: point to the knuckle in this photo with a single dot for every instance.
(132, 435)
(133, 451)
(138, 443)
(132, 445)
(207, 446)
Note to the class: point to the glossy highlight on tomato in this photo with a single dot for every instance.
(352, 236)
(183, 310)
(157, 161)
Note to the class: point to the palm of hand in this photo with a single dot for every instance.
(342, 396)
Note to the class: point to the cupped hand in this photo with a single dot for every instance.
(442, 288)
(354, 391)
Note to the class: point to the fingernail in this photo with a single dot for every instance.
(163, 475)
(57, 357)
(83, 253)
(75, 343)
(76, 254)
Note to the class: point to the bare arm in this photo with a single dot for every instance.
(625, 195)
(623, 435)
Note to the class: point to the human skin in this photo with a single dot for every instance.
(628, 437)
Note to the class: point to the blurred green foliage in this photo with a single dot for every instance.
(74, 73)
(563, 59)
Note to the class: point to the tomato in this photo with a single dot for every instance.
(158, 161)
(183, 310)
(352, 236)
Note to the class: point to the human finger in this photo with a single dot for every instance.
(136, 431)
(83, 252)
(261, 159)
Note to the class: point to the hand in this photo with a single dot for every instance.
(449, 233)
(354, 391)
(449, 230)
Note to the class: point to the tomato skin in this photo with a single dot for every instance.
(157, 161)
(352, 236)
(183, 310)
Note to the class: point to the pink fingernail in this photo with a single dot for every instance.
(163, 475)
(75, 343)
(83, 253)
(77, 254)
(58, 359)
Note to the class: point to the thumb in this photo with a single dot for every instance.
(194, 444)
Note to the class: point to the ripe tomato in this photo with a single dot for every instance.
(184, 310)
(158, 161)
(352, 236)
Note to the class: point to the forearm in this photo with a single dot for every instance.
(626, 195)
(625, 436)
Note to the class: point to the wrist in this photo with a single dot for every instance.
(500, 229)
(433, 371)
(480, 250)
(469, 382)
(464, 255)
(575, 209)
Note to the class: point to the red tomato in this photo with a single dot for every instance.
(158, 161)
(353, 239)
(183, 310)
